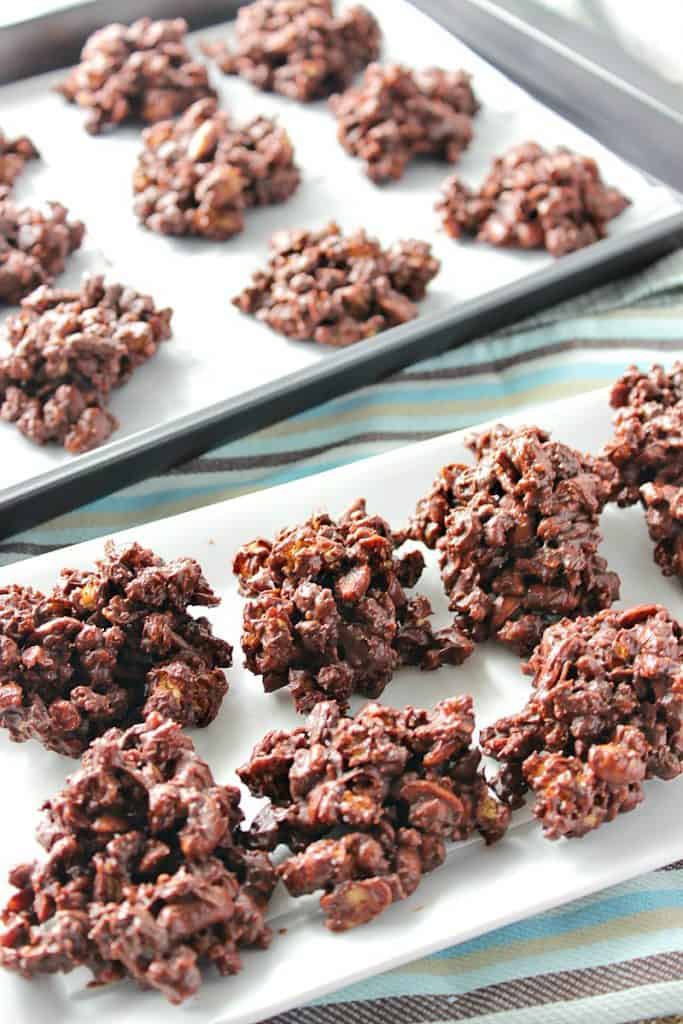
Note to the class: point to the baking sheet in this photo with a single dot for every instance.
(216, 353)
(478, 888)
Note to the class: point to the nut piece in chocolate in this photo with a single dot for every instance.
(144, 876)
(14, 155)
(534, 198)
(367, 804)
(605, 713)
(647, 451)
(518, 535)
(299, 48)
(69, 349)
(396, 114)
(327, 613)
(34, 246)
(197, 175)
(108, 647)
(143, 73)
(333, 289)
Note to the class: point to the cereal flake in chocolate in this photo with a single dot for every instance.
(197, 175)
(68, 350)
(396, 114)
(34, 246)
(333, 289)
(518, 535)
(327, 614)
(107, 647)
(366, 804)
(142, 72)
(14, 155)
(299, 47)
(144, 876)
(533, 199)
(605, 713)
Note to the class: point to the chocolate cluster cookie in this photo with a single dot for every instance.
(142, 72)
(647, 451)
(197, 175)
(518, 535)
(144, 876)
(14, 155)
(534, 198)
(396, 114)
(605, 713)
(327, 613)
(68, 350)
(367, 804)
(34, 246)
(108, 647)
(299, 48)
(333, 289)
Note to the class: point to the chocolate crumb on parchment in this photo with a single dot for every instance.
(69, 349)
(518, 535)
(14, 155)
(327, 614)
(107, 647)
(534, 198)
(337, 289)
(647, 451)
(142, 72)
(197, 175)
(366, 804)
(144, 875)
(605, 713)
(34, 246)
(299, 48)
(396, 114)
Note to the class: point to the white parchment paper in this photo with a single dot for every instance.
(216, 352)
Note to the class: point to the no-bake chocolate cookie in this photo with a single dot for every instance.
(367, 804)
(144, 876)
(327, 613)
(34, 246)
(108, 647)
(142, 72)
(333, 289)
(534, 198)
(14, 155)
(518, 535)
(396, 114)
(197, 175)
(605, 713)
(69, 349)
(299, 48)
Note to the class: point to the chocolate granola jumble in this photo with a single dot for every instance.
(107, 647)
(518, 535)
(299, 48)
(144, 876)
(366, 804)
(605, 713)
(534, 198)
(396, 114)
(647, 450)
(333, 289)
(34, 246)
(139, 72)
(197, 175)
(327, 613)
(68, 350)
(14, 155)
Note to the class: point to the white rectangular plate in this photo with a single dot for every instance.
(216, 352)
(477, 889)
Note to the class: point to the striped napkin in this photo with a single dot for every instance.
(617, 956)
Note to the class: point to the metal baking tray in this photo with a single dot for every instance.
(579, 91)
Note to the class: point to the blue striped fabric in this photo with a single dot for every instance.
(615, 957)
